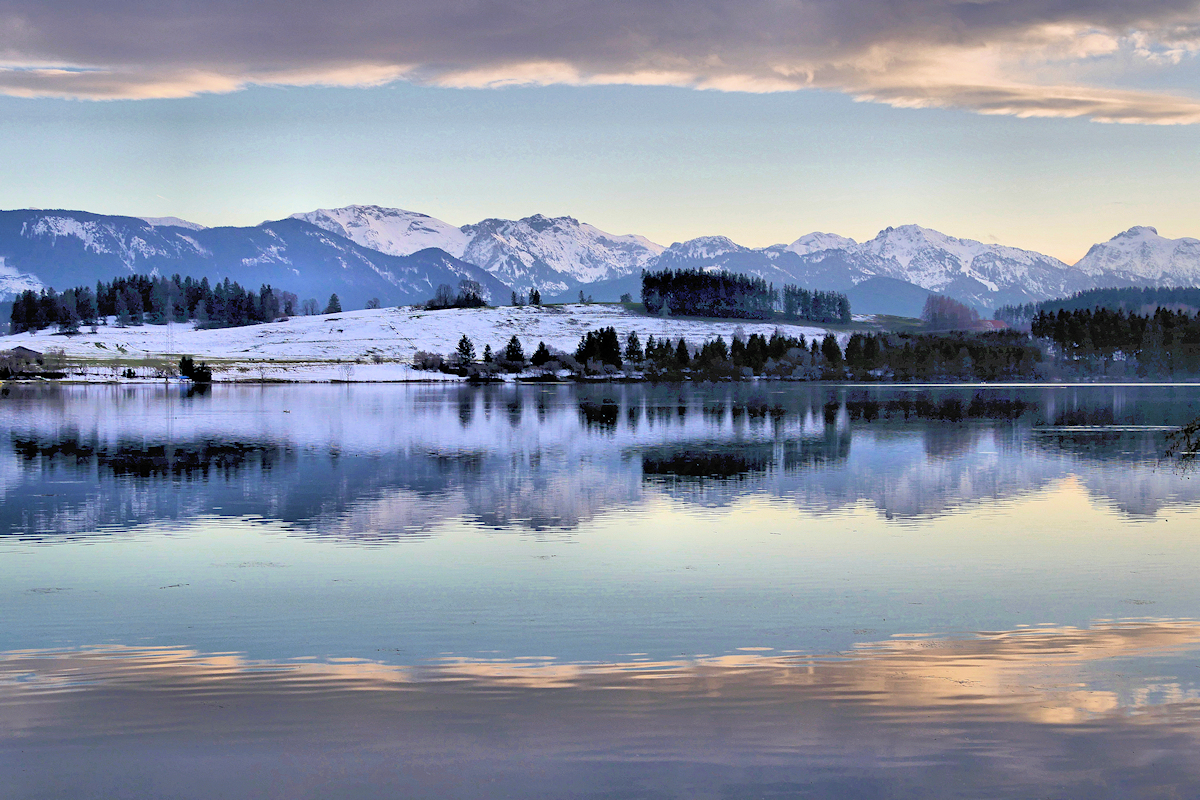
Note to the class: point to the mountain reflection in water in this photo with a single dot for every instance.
(1001, 714)
(385, 463)
(597, 591)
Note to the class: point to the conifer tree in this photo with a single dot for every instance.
(831, 351)
(681, 353)
(633, 348)
(513, 352)
(465, 350)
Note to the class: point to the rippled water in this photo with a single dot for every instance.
(618, 591)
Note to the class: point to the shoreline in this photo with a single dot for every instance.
(455, 380)
(381, 345)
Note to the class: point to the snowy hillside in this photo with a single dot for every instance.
(389, 230)
(325, 347)
(1140, 256)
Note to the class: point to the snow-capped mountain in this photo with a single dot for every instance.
(909, 259)
(719, 252)
(1140, 256)
(13, 282)
(554, 254)
(901, 265)
(401, 256)
(984, 275)
(389, 230)
(73, 248)
(172, 222)
(700, 249)
(816, 242)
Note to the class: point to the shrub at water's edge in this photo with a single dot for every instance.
(197, 373)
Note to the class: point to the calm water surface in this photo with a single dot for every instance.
(602, 592)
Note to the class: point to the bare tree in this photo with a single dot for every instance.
(443, 297)
(470, 293)
(946, 313)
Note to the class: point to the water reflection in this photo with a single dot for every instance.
(381, 463)
(711, 593)
(1001, 714)
(72, 452)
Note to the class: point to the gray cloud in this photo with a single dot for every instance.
(990, 56)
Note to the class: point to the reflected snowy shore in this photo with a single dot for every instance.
(377, 463)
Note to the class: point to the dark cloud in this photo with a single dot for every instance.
(992, 56)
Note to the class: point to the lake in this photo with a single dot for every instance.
(616, 591)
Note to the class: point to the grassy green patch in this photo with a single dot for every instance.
(899, 324)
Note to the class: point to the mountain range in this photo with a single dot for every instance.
(556, 255)
(400, 257)
(73, 248)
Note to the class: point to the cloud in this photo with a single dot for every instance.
(1043, 58)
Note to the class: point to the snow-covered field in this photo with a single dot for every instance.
(369, 345)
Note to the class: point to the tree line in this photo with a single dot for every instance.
(815, 306)
(700, 293)
(1128, 299)
(140, 299)
(1161, 344)
(993, 356)
(716, 293)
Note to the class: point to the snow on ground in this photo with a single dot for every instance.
(369, 345)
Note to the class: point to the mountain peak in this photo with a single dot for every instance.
(172, 222)
(1141, 255)
(910, 231)
(541, 222)
(385, 211)
(555, 254)
(816, 241)
(1137, 231)
(394, 231)
(705, 247)
(361, 210)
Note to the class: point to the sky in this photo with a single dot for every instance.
(1044, 124)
